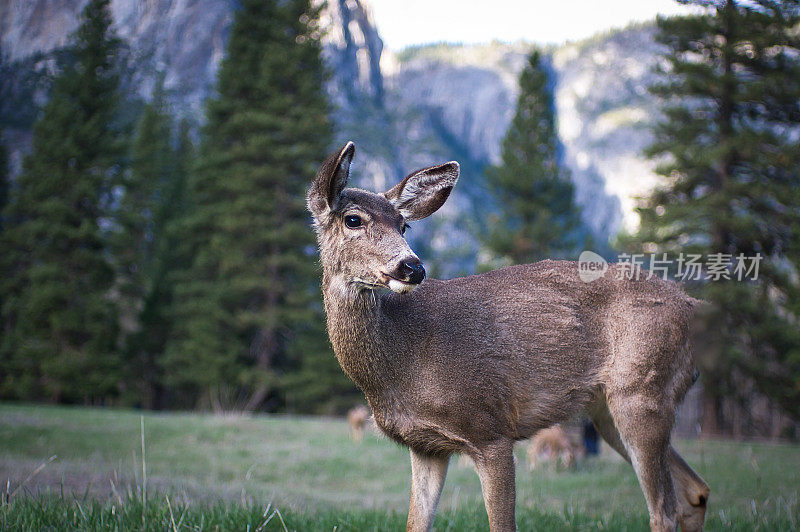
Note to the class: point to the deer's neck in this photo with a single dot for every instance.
(362, 338)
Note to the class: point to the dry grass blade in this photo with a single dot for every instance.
(144, 476)
(266, 522)
(282, 521)
(266, 511)
(29, 477)
(80, 508)
(171, 515)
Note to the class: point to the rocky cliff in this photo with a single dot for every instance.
(184, 38)
(419, 107)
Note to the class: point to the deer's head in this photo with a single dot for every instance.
(361, 233)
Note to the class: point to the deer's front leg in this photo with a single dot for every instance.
(427, 479)
(495, 465)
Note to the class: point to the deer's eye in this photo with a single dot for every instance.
(352, 221)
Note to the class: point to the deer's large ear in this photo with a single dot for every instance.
(330, 181)
(422, 192)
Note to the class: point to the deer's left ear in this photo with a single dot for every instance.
(421, 193)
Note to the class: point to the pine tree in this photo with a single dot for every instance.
(538, 216)
(250, 288)
(146, 249)
(313, 382)
(5, 189)
(5, 181)
(731, 96)
(57, 308)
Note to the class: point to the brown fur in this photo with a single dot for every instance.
(357, 418)
(473, 364)
(551, 445)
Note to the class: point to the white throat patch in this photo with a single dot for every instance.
(399, 287)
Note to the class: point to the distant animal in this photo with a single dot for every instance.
(471, 365)
(357, 418)
(551, 445)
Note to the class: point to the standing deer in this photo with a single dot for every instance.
(471, 365)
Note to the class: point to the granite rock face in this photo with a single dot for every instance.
(183, 38)
(353, 51)
(419, 107)
(605, 112)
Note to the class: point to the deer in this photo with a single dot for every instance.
(551, 444)
(473, 364)
(357, 418)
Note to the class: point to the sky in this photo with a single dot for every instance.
(406, 22)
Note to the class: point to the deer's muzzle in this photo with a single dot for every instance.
(412, 271)
(406, 276)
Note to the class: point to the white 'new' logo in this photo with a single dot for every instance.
(591, 266)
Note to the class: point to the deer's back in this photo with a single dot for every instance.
(546, 304)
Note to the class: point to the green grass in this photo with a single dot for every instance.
(234, 472)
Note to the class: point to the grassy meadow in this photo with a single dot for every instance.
(71, 468)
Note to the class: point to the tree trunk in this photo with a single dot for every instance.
(710, 419)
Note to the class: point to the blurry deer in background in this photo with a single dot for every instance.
(357, 418)
(473, 364)
(551, 444)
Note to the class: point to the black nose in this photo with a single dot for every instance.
(413, 271)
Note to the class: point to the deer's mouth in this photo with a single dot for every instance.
(398, 286)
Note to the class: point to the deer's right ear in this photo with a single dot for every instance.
(330, 181)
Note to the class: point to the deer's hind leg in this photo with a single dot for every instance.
(639, 429)
(692, 493)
